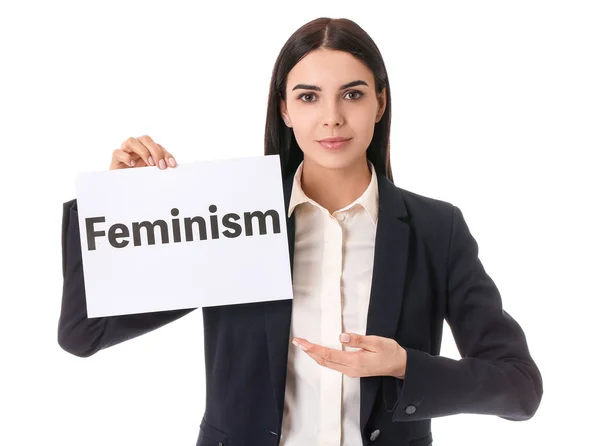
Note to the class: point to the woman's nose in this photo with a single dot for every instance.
(333, 116)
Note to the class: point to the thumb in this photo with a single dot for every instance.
(356, 340)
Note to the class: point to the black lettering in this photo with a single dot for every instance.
(112, 235)
(214, 223)
(176, 230)
(189, 236)
(91, 234)
(164, 231)
(119, 232)
(237, 229)
(262, 223)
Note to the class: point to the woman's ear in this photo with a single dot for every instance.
(382, 101)
(284, 114)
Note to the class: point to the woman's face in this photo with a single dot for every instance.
(316, 107)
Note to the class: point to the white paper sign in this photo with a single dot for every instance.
(200, 234)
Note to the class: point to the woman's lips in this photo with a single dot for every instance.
(334, 145)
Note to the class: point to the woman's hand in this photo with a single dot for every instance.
(378, 356)
(141, 152)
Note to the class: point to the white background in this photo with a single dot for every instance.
(495, 109)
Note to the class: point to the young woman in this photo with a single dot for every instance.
(354, 357)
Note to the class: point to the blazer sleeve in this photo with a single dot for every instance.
(496, 375)
(83, 336)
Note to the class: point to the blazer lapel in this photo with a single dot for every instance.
(387, 287)
(391, 253)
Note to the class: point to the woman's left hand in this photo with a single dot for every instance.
(378, 356)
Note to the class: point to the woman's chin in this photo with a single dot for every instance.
(339, 161)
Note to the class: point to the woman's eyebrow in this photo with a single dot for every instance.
(315, 88)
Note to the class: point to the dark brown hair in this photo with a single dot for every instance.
(333, 34)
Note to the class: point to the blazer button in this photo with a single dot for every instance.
(410, 409)
(374, 435)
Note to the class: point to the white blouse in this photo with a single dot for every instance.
(333, 269)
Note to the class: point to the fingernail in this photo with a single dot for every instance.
(132, 163)
(162, 164)
(345, 337)
(172, 162)
(297, 344)
(151, 161)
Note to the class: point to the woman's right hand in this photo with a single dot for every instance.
(141, 152)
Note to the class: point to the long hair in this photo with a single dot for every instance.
(333, 34)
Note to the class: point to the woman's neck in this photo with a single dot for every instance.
(335, 188)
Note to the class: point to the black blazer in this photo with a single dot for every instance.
(426, 269)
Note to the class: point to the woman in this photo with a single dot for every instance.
(354, 357)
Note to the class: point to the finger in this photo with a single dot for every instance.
(134, 145)
(349, 371)
(168, 156)
(371, 343)
(158, 156)
(349, 359)
(125, 158)
(120, 160)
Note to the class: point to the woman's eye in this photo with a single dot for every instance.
(359, 93)
(355, 92)
(305, 94)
